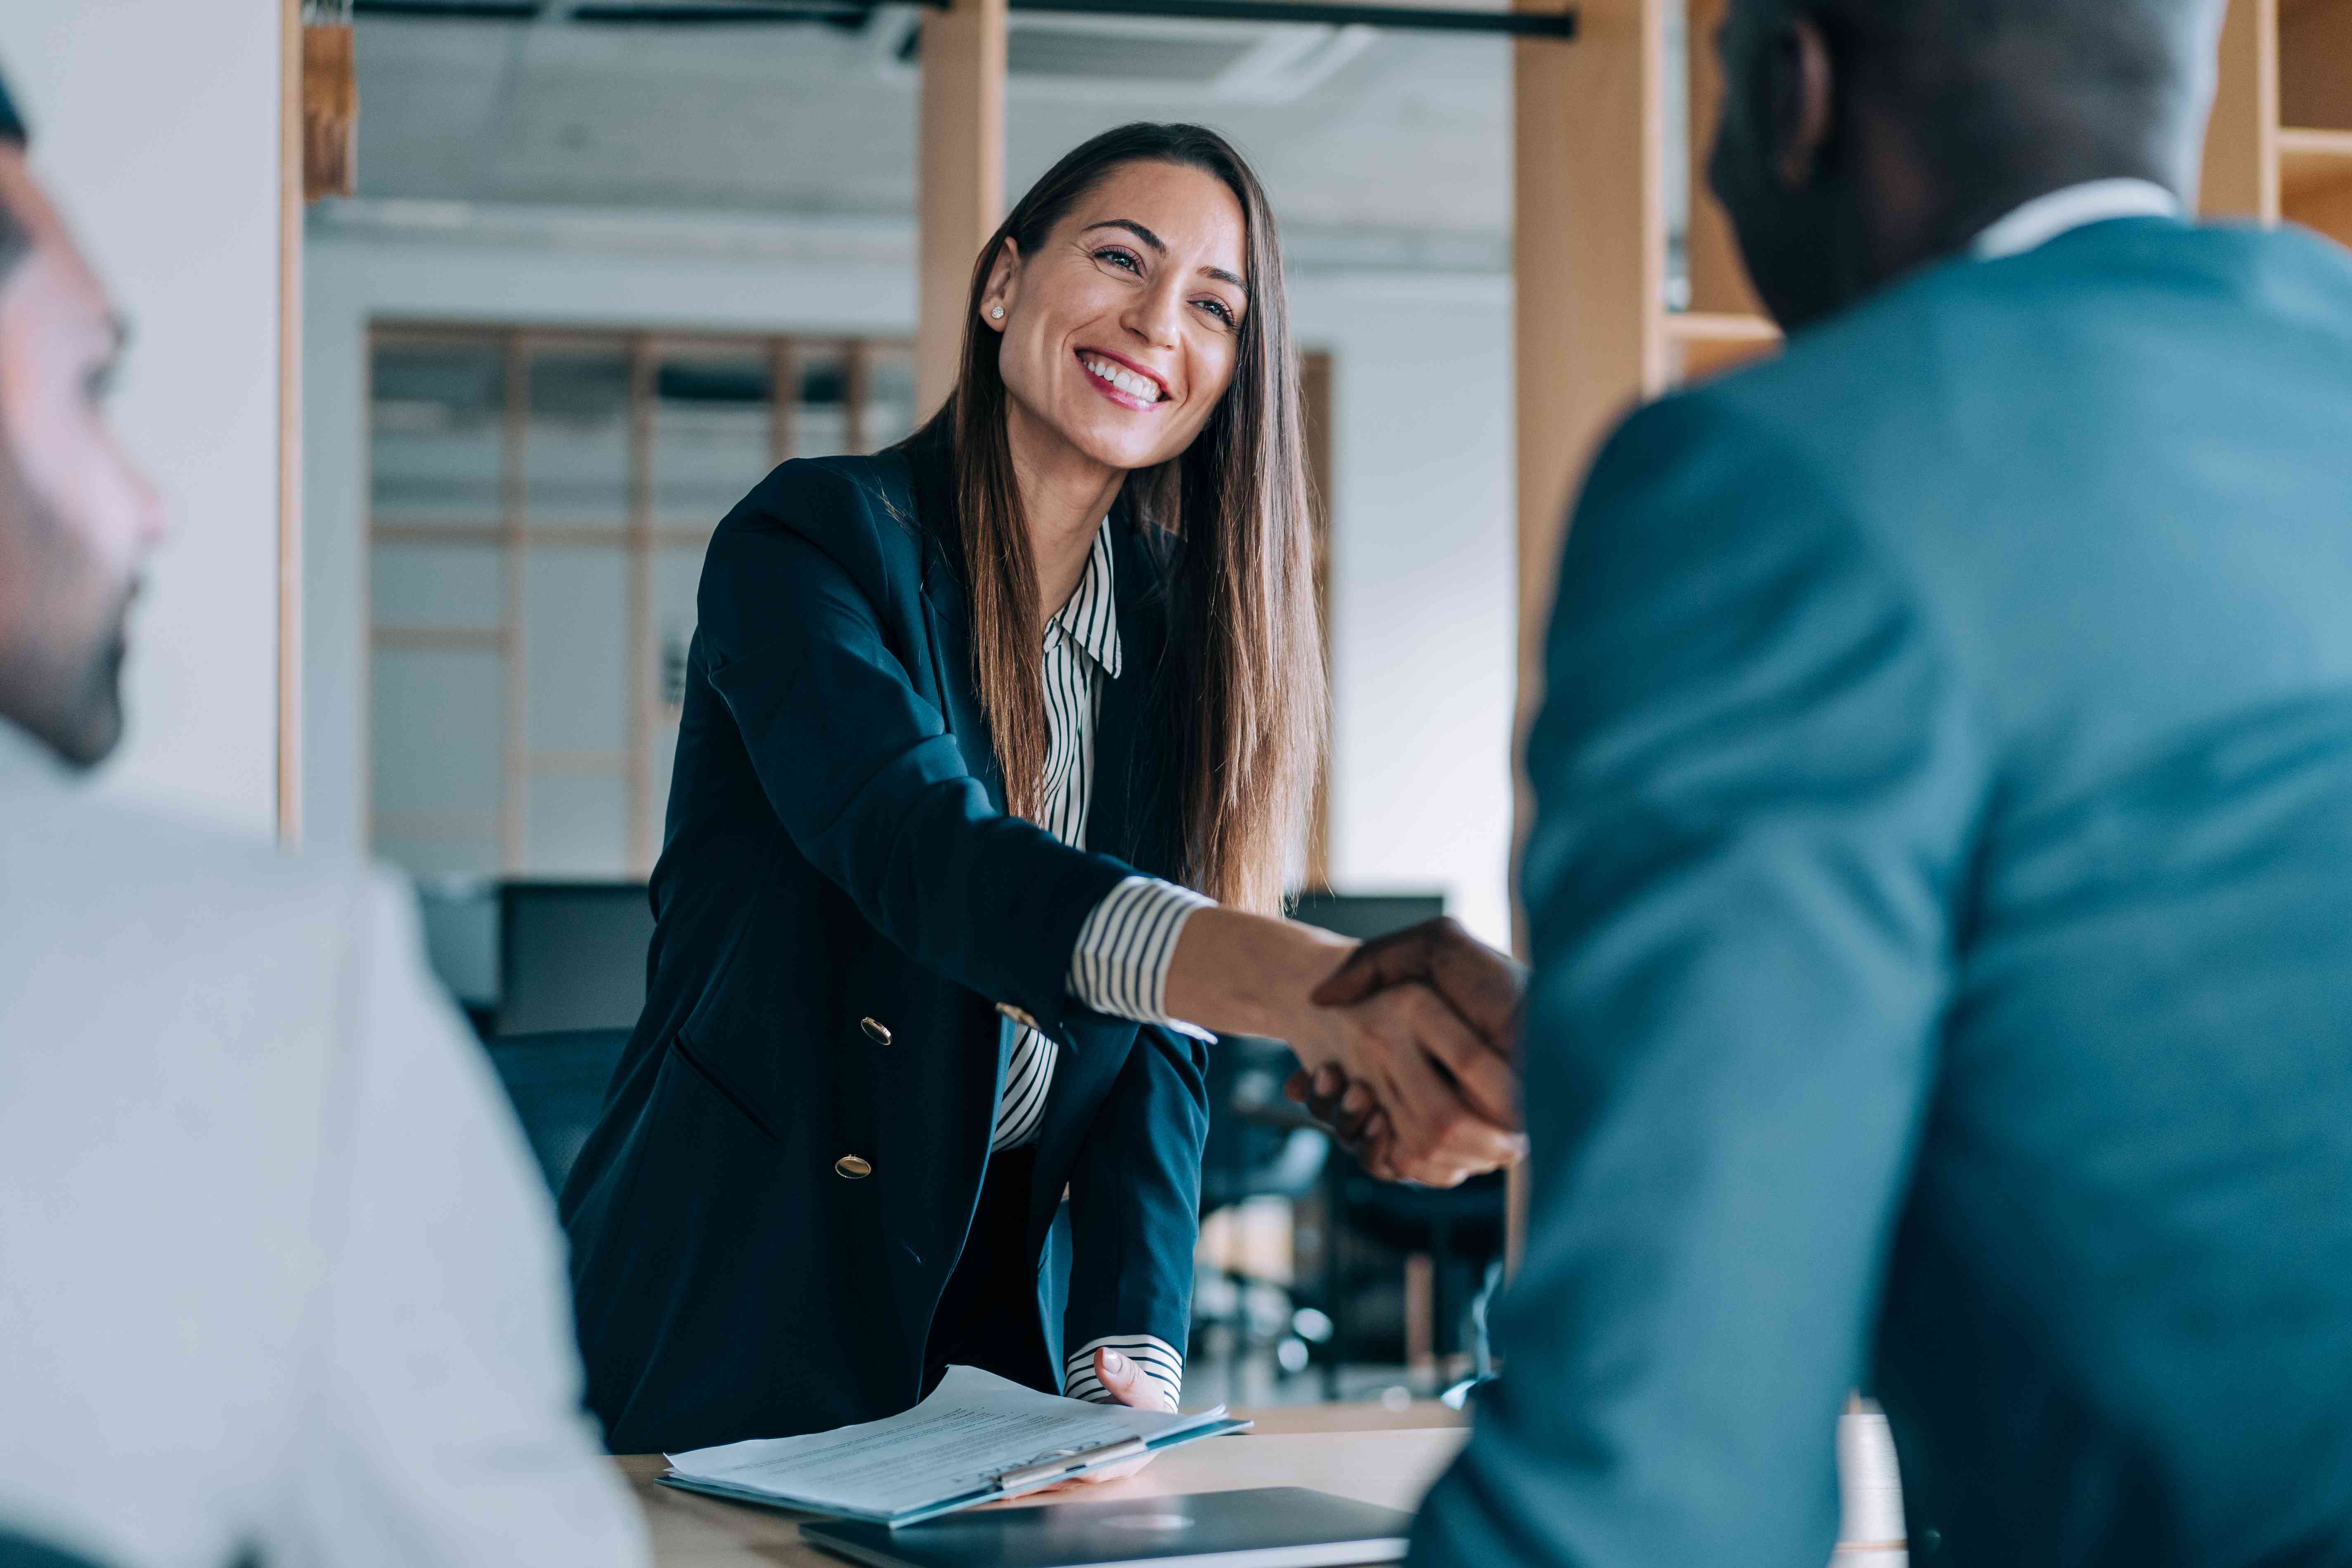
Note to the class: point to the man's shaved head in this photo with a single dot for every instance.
(1863, 137)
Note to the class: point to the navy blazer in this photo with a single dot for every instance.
(841, 910)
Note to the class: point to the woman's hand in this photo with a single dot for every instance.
(1441, 1104)
(1449, 1096)
(1127, 1383)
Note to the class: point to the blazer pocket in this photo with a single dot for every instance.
(685, 1052)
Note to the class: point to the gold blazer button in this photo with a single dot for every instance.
(874, 1031)
(849, 1167)
(1016, 1014)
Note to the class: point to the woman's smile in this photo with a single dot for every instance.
(1122, 380)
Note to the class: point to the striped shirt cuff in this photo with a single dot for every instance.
(1163, 1369)
(1120, 963)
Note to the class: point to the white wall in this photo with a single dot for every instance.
(1422, 564)
(1422, 582)
(154, 126)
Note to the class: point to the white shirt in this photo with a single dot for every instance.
(275, 1268)
(2045, 218)
(1119, 965)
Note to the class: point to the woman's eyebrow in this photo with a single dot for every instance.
(1160, 247)
(1133, 227)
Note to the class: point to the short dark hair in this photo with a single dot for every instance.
(1995, 81)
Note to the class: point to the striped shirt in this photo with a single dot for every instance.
(1119, 965)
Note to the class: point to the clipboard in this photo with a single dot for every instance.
(975, 1440)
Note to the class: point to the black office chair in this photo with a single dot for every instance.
(23, 1551)
(557, 1084)
(1259, 1146)
(1459, 1229)
(571, 955)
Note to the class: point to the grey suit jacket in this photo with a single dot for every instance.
(1942, 913)
(276, 1271)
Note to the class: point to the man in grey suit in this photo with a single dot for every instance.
(277, 1277)
(1941, 894)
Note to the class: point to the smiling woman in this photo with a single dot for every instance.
(994, 748)
(1113, 326)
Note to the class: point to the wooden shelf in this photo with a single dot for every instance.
(1719, 327)
(1708, 341)
(2313, 160)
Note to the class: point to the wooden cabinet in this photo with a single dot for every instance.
(1724, 323)
(2313, 149)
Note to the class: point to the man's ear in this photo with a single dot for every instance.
(1804, 89)
(1004, 283)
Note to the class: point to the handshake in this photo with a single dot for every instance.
(1414, 1074)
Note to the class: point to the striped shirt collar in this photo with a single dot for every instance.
(1090, 619)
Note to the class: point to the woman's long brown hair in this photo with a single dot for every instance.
(1246, 656)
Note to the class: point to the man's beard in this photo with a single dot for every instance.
(91, 722)
(61, 680)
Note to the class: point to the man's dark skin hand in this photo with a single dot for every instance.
(1485, 987)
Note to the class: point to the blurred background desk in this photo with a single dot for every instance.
(1392, 1468)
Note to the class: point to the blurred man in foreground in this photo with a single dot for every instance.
(1942, 890)
(275, 1275)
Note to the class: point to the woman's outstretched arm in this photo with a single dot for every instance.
(1450, 1100)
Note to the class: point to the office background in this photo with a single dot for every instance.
(440, 450)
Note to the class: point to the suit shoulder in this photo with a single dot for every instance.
(125, 840)
(857, 510)
(166, 895)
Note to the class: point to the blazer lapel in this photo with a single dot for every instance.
(948, 617)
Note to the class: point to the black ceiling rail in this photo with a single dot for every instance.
(630, 15)
(619, 14)
(1407, 18)
(457, 10)
(1327, 13)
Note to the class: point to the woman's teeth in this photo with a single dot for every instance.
(1119, 376)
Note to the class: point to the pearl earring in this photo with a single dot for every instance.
(996, 312)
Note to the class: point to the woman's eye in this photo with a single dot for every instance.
(1120, 258)
(1218, 308)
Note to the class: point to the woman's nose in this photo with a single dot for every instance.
(1155, 317)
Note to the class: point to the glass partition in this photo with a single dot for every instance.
(539, 506)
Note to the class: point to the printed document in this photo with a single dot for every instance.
(977, 1439)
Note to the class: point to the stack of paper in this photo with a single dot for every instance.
(977, 1439)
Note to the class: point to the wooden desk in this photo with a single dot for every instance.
(1391, 1467)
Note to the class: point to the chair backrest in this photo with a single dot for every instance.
(23, 1551)
(1255, 1149)
(1364, 916)
(571, 955)
(557, 1084)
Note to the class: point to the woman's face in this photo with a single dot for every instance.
(1120, 333)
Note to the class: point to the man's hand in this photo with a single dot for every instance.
(1451, 1096)
(1485, 987)
(1482, 989)
(1348, 1113)
(1449, 1103)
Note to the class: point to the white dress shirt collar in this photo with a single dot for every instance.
(2063, 211)
(26, 760)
